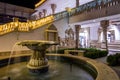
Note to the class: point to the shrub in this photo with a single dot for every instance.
(95, 53)
(114, 60)
(103, 53)
(89, 52)
(92, 55)
(61, 51)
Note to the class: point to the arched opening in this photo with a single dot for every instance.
(51, 33)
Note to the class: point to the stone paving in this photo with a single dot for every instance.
(115, 68)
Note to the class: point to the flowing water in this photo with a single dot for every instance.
(14, 51)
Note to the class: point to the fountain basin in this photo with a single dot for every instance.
(99, 70)
(55, 72)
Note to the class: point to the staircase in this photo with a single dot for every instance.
(88, 7)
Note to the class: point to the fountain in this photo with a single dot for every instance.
(38, 62)
(61, 66)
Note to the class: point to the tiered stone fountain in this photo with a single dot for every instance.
(38, 62)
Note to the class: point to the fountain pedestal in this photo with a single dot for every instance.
(38, 62)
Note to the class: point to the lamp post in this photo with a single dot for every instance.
(68, 13)
(16, 24)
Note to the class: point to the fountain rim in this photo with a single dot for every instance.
(32, 42)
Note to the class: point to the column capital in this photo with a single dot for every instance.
(78, 27)
(104, 23)
(53, 7)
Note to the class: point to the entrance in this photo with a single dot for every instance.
(83, 36)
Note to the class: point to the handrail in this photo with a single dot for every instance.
(31, 25)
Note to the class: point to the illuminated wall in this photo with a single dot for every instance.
(7, 41)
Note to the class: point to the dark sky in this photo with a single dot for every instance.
(25, 3)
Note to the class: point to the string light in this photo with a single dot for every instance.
(24, 26)
(39, 3)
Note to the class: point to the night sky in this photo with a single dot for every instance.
(24, 3)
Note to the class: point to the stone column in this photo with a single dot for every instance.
(77, 29)
(104, 24)
(99, 33)
(44, 12)
(77, 3)
(53, 7)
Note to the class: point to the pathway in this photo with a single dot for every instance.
(116, 68)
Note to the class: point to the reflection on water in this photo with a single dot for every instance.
(57, 71)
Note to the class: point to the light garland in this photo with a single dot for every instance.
(39, 3)
(24, 26)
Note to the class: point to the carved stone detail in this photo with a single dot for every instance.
(68, 41)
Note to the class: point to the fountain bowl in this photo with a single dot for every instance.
(38, 62)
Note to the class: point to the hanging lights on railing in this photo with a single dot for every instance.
(24, 26)
(41, 22)
(6, 28)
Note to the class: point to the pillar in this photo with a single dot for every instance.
(53, 7)
(77, 3)
(104, 24)
(44, 12)
(99, 33)
(77, 29)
